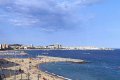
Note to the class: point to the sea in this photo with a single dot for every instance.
(101, 64)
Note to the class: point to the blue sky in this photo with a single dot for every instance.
(67, 22)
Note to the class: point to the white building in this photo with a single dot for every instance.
(3, 46)
(0, 46)
(55, 46)
(81, 48)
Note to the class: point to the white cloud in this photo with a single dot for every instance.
(24, 21)
(46, 14)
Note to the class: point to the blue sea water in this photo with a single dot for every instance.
(103, 65)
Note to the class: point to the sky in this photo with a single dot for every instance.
(66, 22)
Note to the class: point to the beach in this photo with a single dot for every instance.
(27, 68)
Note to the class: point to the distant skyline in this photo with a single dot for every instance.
(66, 22)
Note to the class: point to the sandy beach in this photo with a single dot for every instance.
(27, 68)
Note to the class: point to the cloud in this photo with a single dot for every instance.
(47, 15)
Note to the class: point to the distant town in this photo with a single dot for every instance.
(48, 47)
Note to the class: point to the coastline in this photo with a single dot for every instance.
(30, 66)
(53, 74)
(59, 49)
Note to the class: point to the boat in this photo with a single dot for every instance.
(23, 53)
(86, 53)
(45, 53)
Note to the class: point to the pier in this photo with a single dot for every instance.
(59, 59)
(12, 53)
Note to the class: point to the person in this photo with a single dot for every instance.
(0, 77)
(44, 78)
(22, 60)
(20, 71)
(3, 76)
